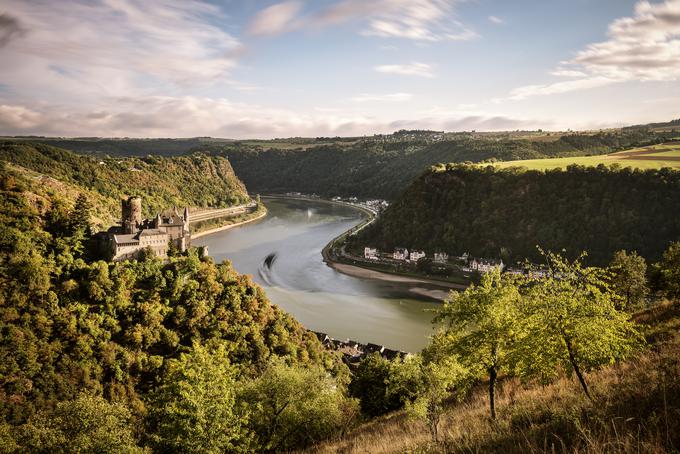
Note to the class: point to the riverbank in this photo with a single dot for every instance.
(370, 213)
(366, 273)
(328, 253)
(258, 215)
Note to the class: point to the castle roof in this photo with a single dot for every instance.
(171, 217)
(134, 237)
(150, 232)
(126, 238)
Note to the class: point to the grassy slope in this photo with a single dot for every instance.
(636, 408)
(630, 158)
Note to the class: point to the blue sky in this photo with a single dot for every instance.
(178, 68)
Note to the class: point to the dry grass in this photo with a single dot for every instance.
(636, 409)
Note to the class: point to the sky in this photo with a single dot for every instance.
(265, 69)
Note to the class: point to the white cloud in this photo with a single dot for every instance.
(113, 46)
(421, 20)
(275, 19)
(411, 69)
(556, 88)
(160, 116)
(17, 118)
(368, 97)
(561, 72)
(496, 20)
(645, 47)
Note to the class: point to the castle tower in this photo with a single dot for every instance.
(186, 219)
(132, 214)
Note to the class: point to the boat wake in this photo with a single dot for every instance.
(265, 269)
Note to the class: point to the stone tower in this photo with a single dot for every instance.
(132, 214)
(186, 219)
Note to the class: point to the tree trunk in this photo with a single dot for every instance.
(493, 374)
(433, 420)
(572, 360)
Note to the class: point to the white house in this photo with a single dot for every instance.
(370, 253)
(416, 255)
(400, 253)
(441, 257)
(539, 273)
(484, 266)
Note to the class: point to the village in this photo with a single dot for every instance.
(353, 351)
(443, 263)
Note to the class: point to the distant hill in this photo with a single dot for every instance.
(197, 181)
(383, 166)
(506, 213)
(378, 166)
(673, 124)
(117, 147)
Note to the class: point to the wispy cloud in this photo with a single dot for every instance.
(368, 97)
(557, 88)
(420, 20)
(644, 47)
(496, 20)
(161, 116)
(410, 69)
(276, 19)
(112, 46)
(561, 72)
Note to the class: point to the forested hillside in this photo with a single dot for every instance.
(506, 213)
(117, 147)
(197, 180)
(377, 166)
(383, 166)
(184, 355)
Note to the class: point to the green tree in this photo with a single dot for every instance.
(194, 409)
(87, 424)
(438, 379)
(629, 277)
(572, 320)
(370, 384)
(81, 215)
(482, 326)
(669, 271)
(293, 406)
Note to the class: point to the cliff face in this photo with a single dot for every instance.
(507, 213)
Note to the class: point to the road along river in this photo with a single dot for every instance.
(283, 254)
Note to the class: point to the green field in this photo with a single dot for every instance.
(653, 157)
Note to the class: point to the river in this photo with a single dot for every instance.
(322, 299)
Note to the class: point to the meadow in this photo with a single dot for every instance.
(652, 157)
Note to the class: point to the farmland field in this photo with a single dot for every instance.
(652, 157)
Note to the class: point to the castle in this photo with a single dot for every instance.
(134, 234)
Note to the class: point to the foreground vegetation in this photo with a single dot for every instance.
(553, 365)
(183, 355)
(504, 213)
